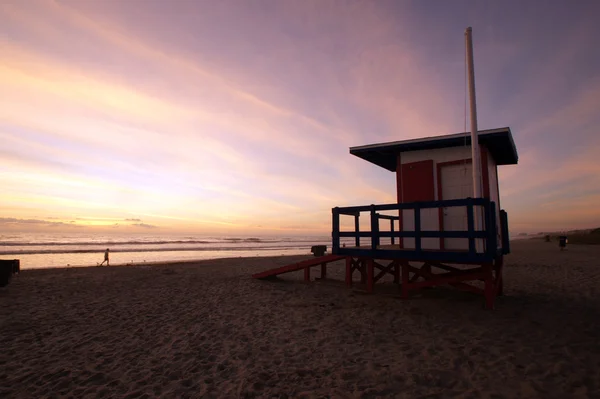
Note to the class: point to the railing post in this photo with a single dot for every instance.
(335, 235)
(374, 228)
(357, 229)
(504, 232)
(471, 225)
(492, 238)
(392, 230)
(417, 227)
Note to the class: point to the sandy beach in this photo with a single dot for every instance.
(207, 329)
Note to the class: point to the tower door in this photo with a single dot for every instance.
(457, 183)
(417, 184)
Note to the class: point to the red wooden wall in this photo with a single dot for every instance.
(415, 181)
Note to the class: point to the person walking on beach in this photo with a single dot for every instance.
(105, 258)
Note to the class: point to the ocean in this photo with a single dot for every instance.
(36, 250)
(70, 250)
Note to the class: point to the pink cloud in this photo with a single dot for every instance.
(183, 117)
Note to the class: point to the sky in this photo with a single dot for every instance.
(237, 116)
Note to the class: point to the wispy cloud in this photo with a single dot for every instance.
(113, 112)
(144, 225)
(34, 222)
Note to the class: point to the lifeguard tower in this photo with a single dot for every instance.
(435, 225)
(447, 217)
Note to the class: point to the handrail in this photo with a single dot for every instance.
(504, 232)
(487, 233)
(388, 217)
(353, 210)
(422, 234)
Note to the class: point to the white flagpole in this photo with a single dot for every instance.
(474, 137)
(474, 140)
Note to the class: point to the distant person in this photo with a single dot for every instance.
(562, 242)
(105, 258)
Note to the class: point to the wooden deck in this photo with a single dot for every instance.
(438, 266)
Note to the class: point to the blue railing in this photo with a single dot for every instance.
(504, 231)
(488, 232)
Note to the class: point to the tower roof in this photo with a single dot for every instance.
(499, 143)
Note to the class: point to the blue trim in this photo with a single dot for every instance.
(392, 230)
(374, 228)
(417, 227)
(487, 233)
(355, 210)
(388, 217)
(493, 228)
(335, 223)
(422, 234)
(423, 255)
(504, 232)
(471, 226)
(357, 227)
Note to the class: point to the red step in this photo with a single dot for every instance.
(299, 266)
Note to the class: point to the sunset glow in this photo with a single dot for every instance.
(235, 116)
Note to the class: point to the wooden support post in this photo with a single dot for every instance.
(323, 270)
(307, 274)
(405, 280)
(349, 271)
(370, 272)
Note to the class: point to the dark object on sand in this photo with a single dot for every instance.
(318, 250)
(547, 238)
(562, 242)
(7, 269)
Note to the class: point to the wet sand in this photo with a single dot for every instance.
(206, 329)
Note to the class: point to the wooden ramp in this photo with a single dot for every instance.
(304, 265)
